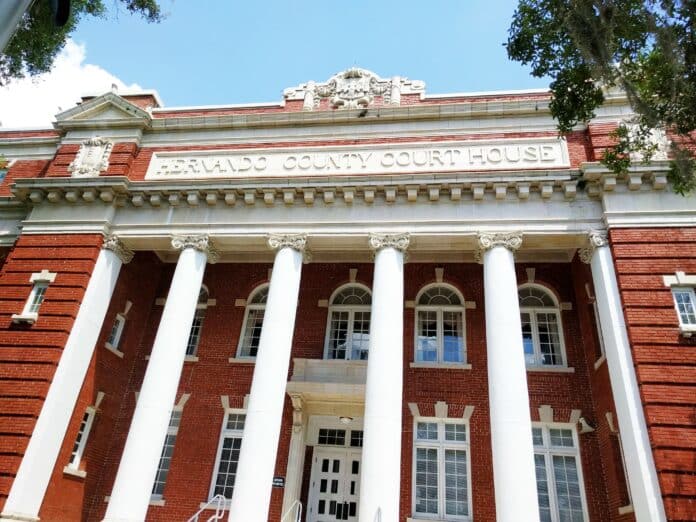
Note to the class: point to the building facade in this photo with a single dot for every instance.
(364, 302)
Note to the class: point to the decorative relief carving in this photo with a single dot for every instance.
(298, 416)
(657, 140)
(596, 239)
(398, 241)
(200, 243)
(92, 158)
(295, 241)
(114, 244)
(352, 89)
(510, 240)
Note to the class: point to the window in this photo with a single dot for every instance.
(81, 439)
(440, 325)
(253, 321)
(559, 477)
(166, 457)
(685, 304)
(116, 331)
(197, 325)
(30, 312)
(348, 331)
(542, 335)
(441, 470)
(228, 455)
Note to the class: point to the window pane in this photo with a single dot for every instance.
(235, 421)
(439, 295)
(338, 335)
(227, 468)
(37, 298)
(75, 455)
(195, 334)
(567, 488)
(537, 437)
(426, 431)
(453, 340)
(252, 332)
(542, 489)
(563, 438)
(164, 464)
(686, 306)
(456, 487)
(527, 339)
(426, 350)
(426, 480)
(332, 437)
(360, 339)
(549, 340)
(455, 432)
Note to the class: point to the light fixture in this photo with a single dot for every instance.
(345, 420)
(584, 426)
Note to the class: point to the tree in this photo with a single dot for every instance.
(37, 41)
(646, 48)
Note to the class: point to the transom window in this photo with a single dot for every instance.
(228, 454)
(441, 470)
(197, 325)
(253, 322)
(348, 331)
(685, 304)
(559, 477)
(440, 325)
(542, 334)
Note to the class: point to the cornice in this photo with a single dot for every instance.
(600, 179)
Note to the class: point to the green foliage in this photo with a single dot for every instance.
(36, 43)
(645, 48)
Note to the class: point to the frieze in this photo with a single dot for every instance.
(514, 154)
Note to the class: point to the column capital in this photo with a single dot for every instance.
(114, 244)
(399, 242)
(510, 240)
(295, 241)
(201, 243)
(595, 239)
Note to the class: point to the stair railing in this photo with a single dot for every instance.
(217, 503)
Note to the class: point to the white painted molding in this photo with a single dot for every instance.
(546, 413)
(441, 410)
(242, 360)
(225, 400)
(43, 277)
(182, 401)
(413, 408)
(67, 470)
(679, 279)
(98, 400)
(440, 366)
(113, 350)
(468, 412)
(575, 416)
(551, 369)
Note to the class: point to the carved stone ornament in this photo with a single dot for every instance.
(200, 243)
(92, 158)
(596, 239)
(295, 241)
(352, 89)
(510, 240)
(657, 140)
(114, 244)
(398, 241)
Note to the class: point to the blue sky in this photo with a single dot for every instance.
(221, 52)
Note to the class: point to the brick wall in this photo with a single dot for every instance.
(29, 354)
(665, 361)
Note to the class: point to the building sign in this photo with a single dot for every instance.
(278, 482)
(540, 153)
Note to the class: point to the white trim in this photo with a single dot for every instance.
(82, 437)
(351, 309)
(114, 339)
(551, 369)
(80, 473)
(439, 309)
(440, 366)
(532, 311)
(113, 350)
(248, 307)
(216, 464)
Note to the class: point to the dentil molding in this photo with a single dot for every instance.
(200, 243)
(114, 244)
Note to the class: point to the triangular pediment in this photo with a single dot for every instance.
(109, 108)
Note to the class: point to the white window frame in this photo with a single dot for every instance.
(549, 451)
(439, 309)
(689, 290)
(351, 309)
(532, 311)
(114, 338)
(73, 466)
(30, 312)
(171, 431)
(251, 306)
(225, 433)
(441, 445)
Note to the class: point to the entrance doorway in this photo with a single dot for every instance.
(335, 484)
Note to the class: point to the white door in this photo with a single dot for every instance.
(334, 485)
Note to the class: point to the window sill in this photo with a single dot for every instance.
(599, 362)
(440, 366)
(624, 510)
(25, 318)
(191, 358)
(551, 369)
(685, 330)
(242, 360)
(74, 472)
(225, 506)
(157, 502)
(411, 519)
(115, 351)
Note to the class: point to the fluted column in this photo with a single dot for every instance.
(254, 480)
(640, 466)
(132, 489)
(29, 487)
(514, 475)
(380, 479)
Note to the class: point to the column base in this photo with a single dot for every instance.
(14, 517)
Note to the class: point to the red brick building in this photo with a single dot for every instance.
(188, 298)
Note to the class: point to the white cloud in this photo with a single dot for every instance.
(33, 102)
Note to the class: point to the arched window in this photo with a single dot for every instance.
(542, 334)
(197, 325)
(348, 331)
(253, 321)
(440, 325)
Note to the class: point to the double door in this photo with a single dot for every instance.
(335, 485)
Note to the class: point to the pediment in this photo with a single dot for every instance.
(107, 109)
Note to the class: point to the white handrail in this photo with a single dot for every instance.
(298, 517)
(218, 501)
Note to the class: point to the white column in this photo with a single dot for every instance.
(29, 487)
(514, 475)
(132, 489)
(254, 481)
(296, 458)
(640, 466)
(380, 479)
